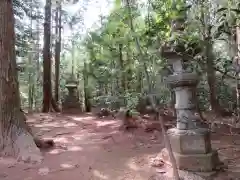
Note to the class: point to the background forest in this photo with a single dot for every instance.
(117, 61)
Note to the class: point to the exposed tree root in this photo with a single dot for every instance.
(55, 106)
(41, 143)
(44, 144)
(19, 143)
(28, 151)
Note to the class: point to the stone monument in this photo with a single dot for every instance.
(190, 141)
(71, 102)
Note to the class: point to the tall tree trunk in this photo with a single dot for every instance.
(139, 81)
(15, 137)
(57, 49)
(121, 63)
(47, 85)
(87, 101)
(38, 74)
(30, 68)
(129, 73)
(30, 82)
(211, 78)
(208, 44)
(48, 101)
(114, 78)
(238, 64)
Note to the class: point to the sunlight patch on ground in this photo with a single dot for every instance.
(43, 171)
(70, 125)
(115, 132)
(75, 148)
(56, 151)
(54, 124)
(79, 137)
(83, 118)
(100, 175)
(61, 140)
(32, 120)
(234, 168)
(45, 129)
(67, 166)
(104, 123)
(48, 120)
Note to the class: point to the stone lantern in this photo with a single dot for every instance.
(71, 101)
(190, 141)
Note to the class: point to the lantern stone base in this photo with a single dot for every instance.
(71, 104)
(192, 150)
(197, 162)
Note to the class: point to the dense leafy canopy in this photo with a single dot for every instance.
(120, 58)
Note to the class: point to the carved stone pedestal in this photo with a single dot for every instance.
(192, 149)
(71, 101)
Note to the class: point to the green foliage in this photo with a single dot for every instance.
(153, 30)
(116, 70)
(23, 10)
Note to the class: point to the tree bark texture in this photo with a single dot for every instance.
(211, 77)
(15, 137)
(87, 101)
(47, 85)
(57, 50)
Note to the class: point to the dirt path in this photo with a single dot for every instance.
(87, 149)
(94, 149)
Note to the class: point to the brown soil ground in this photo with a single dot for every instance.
(88, 148)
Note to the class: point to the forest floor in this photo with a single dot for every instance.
(89, 148)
